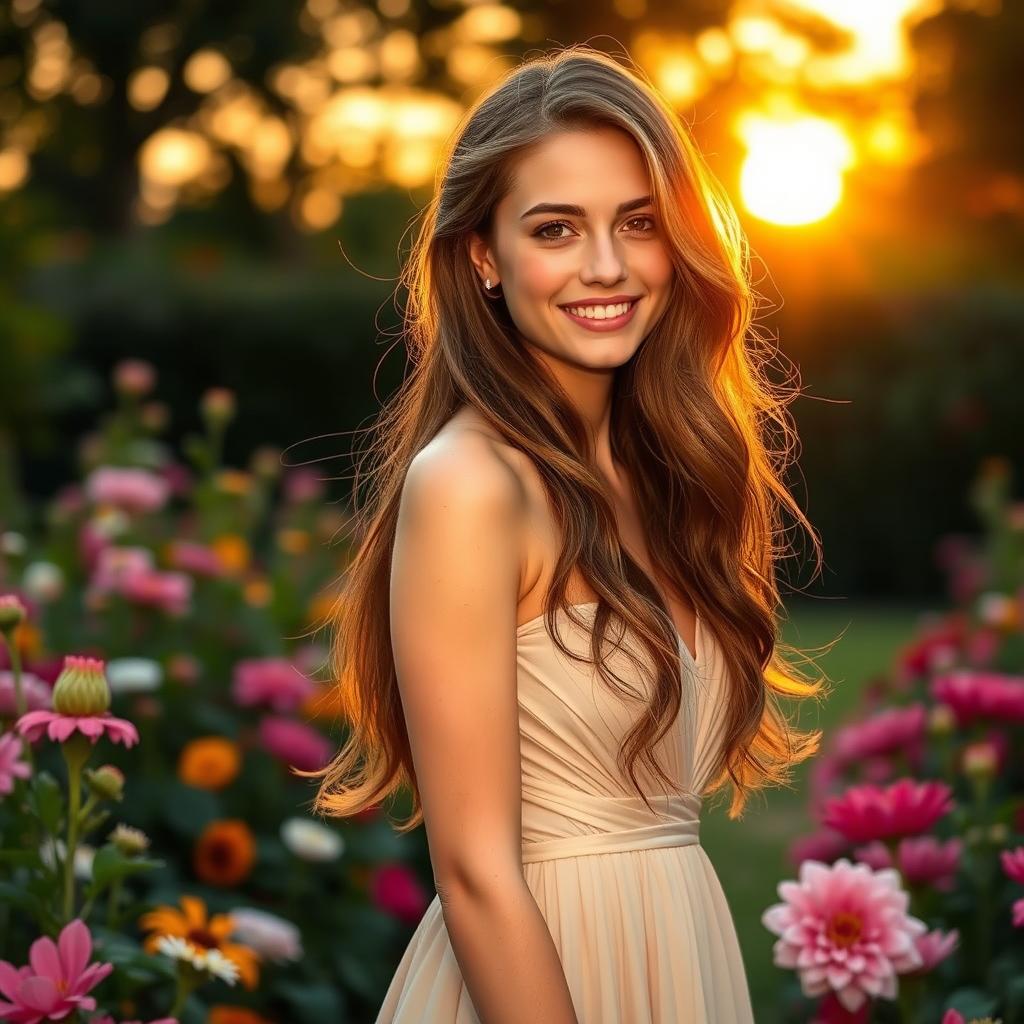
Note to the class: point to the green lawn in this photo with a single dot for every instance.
(749, 854)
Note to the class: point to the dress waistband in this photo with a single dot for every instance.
(612, 825)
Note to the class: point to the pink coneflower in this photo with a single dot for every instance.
(81, 697)
(845, 929)
(11, 765)
(56, 983)
(295, 743)
(37, 693)
(905, 808)
(133, 490)
(935, 947)
(922, 860)
(395, 889)
(271, 682)
(198, 559)
(888, 732)
(973, 695)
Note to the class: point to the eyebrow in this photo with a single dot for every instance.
(577, 211)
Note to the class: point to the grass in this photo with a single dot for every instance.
(750, 854)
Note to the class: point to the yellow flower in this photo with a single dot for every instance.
(191, 924)
(210, 762)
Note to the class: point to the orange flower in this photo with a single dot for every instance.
(324, 704)
(210, 762)
(191, 924)
(233, 552)
(224, 1014)
(225, 852)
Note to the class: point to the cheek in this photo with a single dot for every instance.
(537, 276)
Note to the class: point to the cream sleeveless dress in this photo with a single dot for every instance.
(632, 901)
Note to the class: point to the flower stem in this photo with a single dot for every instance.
(20, 701)
(188, 981)
(76, 752)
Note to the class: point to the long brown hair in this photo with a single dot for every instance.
(693, 418)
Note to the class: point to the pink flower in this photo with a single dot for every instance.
(272, 682)
(295, 743)
(845, 929)
(824, 845)
(973, 695)
(1013, 863)
(110, 1020)
(114, 565)
(301, 485)
(168, 591)
(925, 860)
(11, 765)
(198, 559)
(394, 889)
(37, 693)
(1018, 913)
(888, 732)
(134, 377)
(935, 947)
(907, 807)
(876, 855)
(57, 980)
(59, 727)
(953, 1017)
(134, 490)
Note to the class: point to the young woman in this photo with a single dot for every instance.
(559, 628)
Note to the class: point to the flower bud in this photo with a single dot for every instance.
(132, 842)
(81, 688)
(218, 405)
(12, 613)
(941, 720)
(107, 782)
(134, 377)
(980, 760)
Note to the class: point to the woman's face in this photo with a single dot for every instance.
(560, 269)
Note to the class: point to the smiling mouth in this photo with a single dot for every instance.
(601, 322)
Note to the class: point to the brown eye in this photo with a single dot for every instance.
(642, 216)
(539, 233)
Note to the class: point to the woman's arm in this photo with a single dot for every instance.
(455, 580)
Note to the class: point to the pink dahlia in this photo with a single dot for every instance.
(824, 845)
(295, 743)
(271, 682)
(888, 732)
(844, 928)
(56, 981)
(11, 765)
(905, 808)
(134, 490)
(973, 695)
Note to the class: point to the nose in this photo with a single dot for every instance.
(603, 264)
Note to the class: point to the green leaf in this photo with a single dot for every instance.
(972, 1002)
(110, 863)
(312, 1003)
(47, 801)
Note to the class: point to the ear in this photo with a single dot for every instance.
(481, 257)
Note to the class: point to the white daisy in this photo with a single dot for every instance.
(217, 965)
(176, 948)
(134, 675)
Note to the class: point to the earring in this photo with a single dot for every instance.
(487, 289)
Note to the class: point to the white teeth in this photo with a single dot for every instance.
(599, 312)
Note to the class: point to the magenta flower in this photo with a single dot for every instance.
(134, 490)
(973, 695)
(37, 693)
(56, 981)
(395, 890)
(953, 1017)
(844, 928)
(11, 765)
(271, 682)
(171, 592)
(887, 732)
(922, 860)
(295, 743)
(59, 727)
(1018, 913)
(1013, 863)
(936, 946)
(905, 808)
